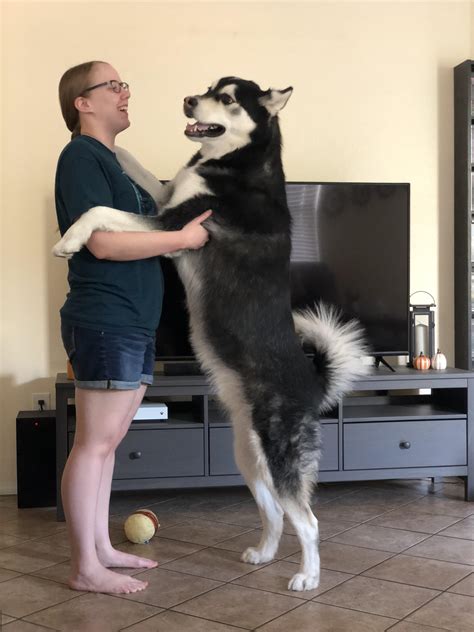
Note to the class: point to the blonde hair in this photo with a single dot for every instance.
(71, 85)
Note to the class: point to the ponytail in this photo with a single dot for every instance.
(77, 129)
(71, 85)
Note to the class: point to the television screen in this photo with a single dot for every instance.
(350, 248)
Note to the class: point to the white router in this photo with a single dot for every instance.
(151, 411)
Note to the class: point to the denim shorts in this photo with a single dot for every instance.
(109, 360)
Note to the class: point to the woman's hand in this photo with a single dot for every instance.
(194, 234)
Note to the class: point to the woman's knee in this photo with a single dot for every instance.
(100, 447)
(103, 419)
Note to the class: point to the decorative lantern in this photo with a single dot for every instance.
(422, 324)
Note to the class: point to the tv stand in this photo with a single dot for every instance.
(380, 360)
(182, 368)
(412, 424)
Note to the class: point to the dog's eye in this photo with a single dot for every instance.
(226, 99)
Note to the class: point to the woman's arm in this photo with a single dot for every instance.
(129, 246)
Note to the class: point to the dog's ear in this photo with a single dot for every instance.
(275, 100)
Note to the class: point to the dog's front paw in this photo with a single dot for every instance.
(254, 556)
(66, 247)
(301, 581)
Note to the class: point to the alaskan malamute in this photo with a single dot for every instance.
(238, 295)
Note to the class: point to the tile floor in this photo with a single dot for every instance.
(395, 555)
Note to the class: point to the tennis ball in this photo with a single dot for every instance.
(141, 526)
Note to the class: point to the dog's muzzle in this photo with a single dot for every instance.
(198, 129)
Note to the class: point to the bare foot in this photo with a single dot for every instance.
(102, 580)
(118, 559)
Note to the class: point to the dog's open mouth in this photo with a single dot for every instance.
(199, 130)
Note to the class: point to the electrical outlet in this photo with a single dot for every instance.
(37, 397)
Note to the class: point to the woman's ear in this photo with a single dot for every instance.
(82, 104)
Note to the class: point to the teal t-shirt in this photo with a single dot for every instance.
(108, 295)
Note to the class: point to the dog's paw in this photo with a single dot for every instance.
(300, 581)
(60, 251)
(254, 556)
(66, 247)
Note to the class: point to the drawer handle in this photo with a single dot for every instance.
(405, 445)
(135, 455)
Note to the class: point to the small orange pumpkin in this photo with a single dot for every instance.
(421, 362)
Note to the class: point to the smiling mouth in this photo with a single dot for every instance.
(201, 130)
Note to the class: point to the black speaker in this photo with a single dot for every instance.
(36, 458)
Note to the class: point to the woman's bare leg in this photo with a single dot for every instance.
(106, 553)
(99, 427)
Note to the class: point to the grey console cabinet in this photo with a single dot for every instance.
(408, 424)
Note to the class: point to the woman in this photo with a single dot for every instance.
(109, 317)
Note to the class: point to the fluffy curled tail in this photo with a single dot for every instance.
(339, 347)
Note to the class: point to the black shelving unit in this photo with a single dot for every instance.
(464, 214)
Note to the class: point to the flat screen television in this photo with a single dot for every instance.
(350, 248)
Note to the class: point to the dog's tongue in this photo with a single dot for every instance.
(196, 127)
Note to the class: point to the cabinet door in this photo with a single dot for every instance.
(164, 452)
(397, 444)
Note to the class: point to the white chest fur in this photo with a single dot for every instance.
(189, 268)
(186, 185)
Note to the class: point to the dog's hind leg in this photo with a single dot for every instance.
(271, 515)
(306, 527)
(252, 466)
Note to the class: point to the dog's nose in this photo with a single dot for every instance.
(190, 101)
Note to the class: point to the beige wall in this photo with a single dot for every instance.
(372, 101)
(472, 29)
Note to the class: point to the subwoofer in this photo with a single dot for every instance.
(36, 458)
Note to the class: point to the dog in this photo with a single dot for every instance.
(238, 297)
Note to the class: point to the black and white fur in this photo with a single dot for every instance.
(238, 296)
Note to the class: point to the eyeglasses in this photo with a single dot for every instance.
(113, 84)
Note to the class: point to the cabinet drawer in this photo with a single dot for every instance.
(221, 451)
(160, 453)
(404, 444)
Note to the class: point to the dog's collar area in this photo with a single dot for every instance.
(200, 130)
